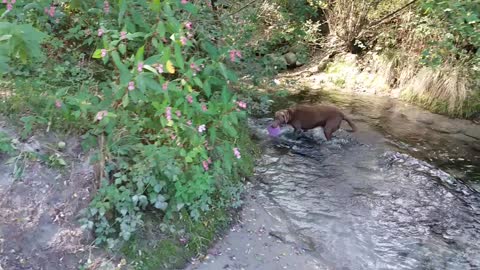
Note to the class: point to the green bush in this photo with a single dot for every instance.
(169, 131)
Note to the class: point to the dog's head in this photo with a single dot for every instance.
(281, 118)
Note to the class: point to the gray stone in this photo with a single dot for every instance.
(427, 121)
(445, 128)
(291, 58)
(473, 131)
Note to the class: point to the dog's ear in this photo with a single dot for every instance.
(288, 114)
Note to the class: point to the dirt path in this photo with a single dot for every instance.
(39, 212)
(258, 241)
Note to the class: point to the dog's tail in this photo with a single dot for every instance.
(350, 123)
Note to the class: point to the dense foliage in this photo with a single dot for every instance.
(160, 110)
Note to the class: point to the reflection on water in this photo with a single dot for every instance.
(366, 200)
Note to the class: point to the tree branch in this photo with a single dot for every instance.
(391, 14)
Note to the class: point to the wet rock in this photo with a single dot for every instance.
(426, 121)
(473, 131)
(282, 236)
(476, 147)
(290, 58)
(445, 127)
(322, 66)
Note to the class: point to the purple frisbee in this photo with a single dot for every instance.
(274, 132)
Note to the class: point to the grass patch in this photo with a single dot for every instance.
(161, 246)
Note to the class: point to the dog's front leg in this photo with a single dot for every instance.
(298, 131)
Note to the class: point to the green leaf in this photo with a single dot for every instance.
(97, 54)
(152, 84)
(125, 100)
(122, 48)
(230, 130)
(166, 53)
(211, 50)
(140, 83)
(123, 9)
(179, 57)
(161, 29)
(198, 82)
(139, 54)
(223, 70)
(213, 134)
(124, 72)
(155, 6)
(225, 95)
(207, 88)
(190, 8)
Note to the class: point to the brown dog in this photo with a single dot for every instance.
(305, 117)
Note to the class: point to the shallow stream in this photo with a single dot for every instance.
(401, 193)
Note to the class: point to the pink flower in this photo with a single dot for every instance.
(179, 113)
(205, 165)
(4, 1)
(101, 114)
(13, 1)
(236, 152)
(188, 25)
(204, 107)
(189, 122)
(168, 113)
(160, 68)
(234, 54)
(9, 6)
(51, 12)
(173, 136)
(183, 240)
(131, 86)
(165, 86)
(183, 40)
(184, 2)
(140, 67)
(201, 128)
(242, 104)
(100, 32)
(209, 160)
(189, 99)
(123, 35)
(104, 53)
(195, 67)
(106, 7)
(58, 104)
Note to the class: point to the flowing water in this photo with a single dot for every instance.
(398, 194)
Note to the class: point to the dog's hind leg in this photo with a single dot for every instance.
(331, 126)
